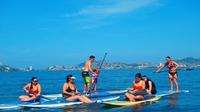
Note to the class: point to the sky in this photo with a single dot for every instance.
(41, 33)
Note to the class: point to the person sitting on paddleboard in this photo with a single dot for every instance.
(138, 91)
(70, 93)
(33, 90)
(86, 75)
(173, 74)
(149, 85)
(95, 79)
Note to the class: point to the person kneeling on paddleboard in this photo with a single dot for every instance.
(70, 93)
(138, 91)
(33, 90)
(149, 85)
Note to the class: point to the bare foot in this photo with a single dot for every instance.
(170, 91)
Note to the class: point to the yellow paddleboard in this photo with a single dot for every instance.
(128, 103)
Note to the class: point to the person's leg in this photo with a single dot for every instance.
(84, 91)
(23, 98)
(176, 82)
(73, 98)
(95, 84)
(26, 98)
(86, 99)
(88, 87)
(139, 97)
(87, 81)
(130, 97)
(171, 82)
(85, 85)
(95, 87)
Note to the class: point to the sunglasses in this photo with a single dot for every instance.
(35, 81)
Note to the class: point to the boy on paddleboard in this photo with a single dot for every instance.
(85, 74)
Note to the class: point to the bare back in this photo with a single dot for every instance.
(88, 67)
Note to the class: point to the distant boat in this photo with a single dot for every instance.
(189, 69)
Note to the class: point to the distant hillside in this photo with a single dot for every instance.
(6, 68)
(189, 61)
(113, 65)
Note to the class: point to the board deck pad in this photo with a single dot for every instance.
(128, 103)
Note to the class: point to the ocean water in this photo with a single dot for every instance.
(11, 85)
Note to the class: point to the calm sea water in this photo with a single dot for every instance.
(11, 85)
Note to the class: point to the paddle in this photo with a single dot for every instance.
(103, 61)
(49, 99)
(97, 71)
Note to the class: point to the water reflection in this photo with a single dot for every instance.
(173, 100)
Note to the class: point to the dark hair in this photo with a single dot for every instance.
(94, 70)
(144, 76)
(33, 78)
(139, 75)
(68, 77)
(92, 57)
(168, 57)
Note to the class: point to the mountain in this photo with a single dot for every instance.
(117, 65)
(6, 68)
(189, 61)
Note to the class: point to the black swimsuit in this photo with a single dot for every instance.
(153, 91)
(69, 90)
(170, 66)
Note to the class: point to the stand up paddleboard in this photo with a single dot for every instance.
(128, 103)
(168, 93)
(63, 104)
(92, 95)
(55, 104)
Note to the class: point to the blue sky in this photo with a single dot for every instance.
(66, 32)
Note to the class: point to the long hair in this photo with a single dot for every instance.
(33, 78)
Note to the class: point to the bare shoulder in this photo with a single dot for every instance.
(65, 84)
(39, 85)
(29, 84)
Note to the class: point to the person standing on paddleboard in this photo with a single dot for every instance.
(173, 74)
(95, 79)
(86, 75)
(33, 89)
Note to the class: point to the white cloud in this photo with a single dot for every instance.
(115, 7)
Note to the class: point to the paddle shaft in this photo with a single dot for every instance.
(103, 61)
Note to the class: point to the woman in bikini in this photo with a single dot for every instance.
(173, 74)
(137, 92)
(33, 90)
(70, 93)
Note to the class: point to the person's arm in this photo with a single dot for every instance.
(143, 85)
(160, 68)
(150, 87)
(26, 88)
(65, 86)
(40, 89)
(90, 68)
(176, 65)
